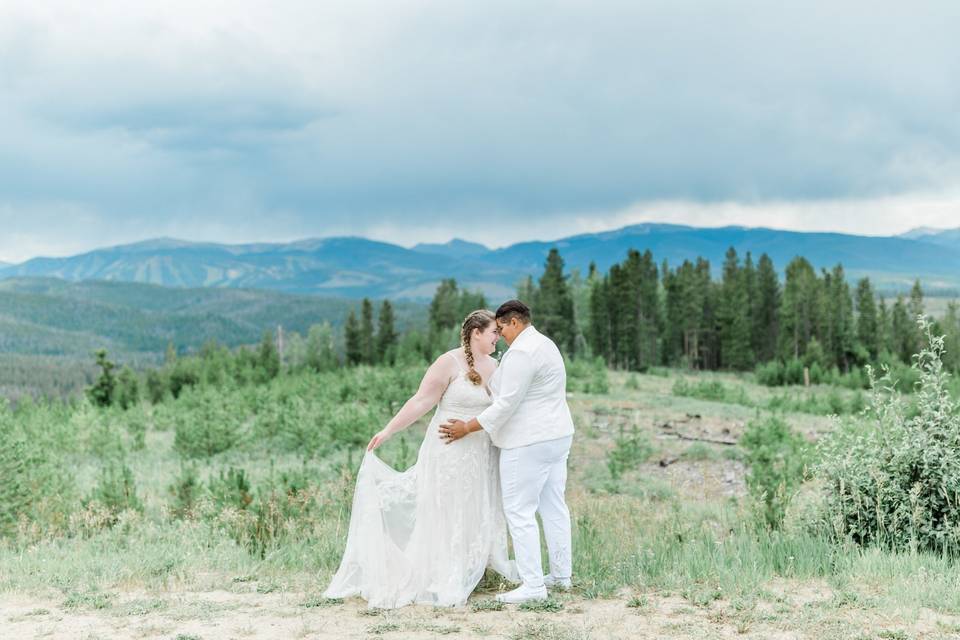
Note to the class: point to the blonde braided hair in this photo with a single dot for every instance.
(479, 319)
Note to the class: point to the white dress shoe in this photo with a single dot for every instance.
(560, 583)
(522, 594)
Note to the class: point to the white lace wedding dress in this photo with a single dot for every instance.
(426, 535)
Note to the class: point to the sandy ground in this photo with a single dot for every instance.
(795, 611)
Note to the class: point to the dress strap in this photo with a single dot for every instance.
(459, 366)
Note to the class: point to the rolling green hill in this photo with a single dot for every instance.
(49, 328)
(46, 316)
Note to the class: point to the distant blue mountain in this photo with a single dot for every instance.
(356, 267)
(942, 237)
(456, 248)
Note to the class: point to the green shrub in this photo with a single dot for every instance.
(127, 392)
(770, 374)
(157, 386)
(629, 450)
(34, 483)
(793, 371)
(135, 420)
(15, 495)
(186, 488)
(895, 480)
(815, 355)
(184, 373)
(231, 488)
(599, 380)
(116, 489)
(587, 376)
(711, 390)
(817, 374)
(776, 457)
(835, 402)
(210, 426)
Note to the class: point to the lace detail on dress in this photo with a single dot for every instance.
(426, 535)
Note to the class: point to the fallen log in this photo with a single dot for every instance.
(684, 436)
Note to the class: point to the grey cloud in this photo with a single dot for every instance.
(341, 116)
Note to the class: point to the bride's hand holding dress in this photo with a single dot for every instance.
(434, 383)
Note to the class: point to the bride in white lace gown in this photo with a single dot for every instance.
(426, 535)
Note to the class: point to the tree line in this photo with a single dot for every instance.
(641, 314)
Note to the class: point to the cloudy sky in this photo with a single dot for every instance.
(493, 121)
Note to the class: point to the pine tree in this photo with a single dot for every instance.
(765, 312)
(634, 309)
(555, 315)
(868, 334)
(684, 295)
(622, 322)
(709, 347)
(445, 306)
(580, 292)
(599, 333)
(470, 301)
(386, 334)
(749, 275)
(368, 348)
(690, 335)
(799, 310)
(103, 390)
(268, 358)
(127, 393)
(651, 312)
(671, 340)
(351, 335)
(734, 319)
(837, 319)
(527, 292)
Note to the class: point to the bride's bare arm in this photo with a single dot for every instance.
(432, 386)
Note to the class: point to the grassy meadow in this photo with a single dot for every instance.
(222, 513)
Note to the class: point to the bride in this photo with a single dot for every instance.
(426, 535)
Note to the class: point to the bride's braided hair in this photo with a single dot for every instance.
(479, 319)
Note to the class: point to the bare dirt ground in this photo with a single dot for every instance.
(793, 610)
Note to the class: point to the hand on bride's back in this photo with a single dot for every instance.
(378, 440)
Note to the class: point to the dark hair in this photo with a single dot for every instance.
(513, 309)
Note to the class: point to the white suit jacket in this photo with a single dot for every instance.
(529, 394)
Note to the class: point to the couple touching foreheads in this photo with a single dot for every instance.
(494, 455)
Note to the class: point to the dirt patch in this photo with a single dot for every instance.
(222, 615)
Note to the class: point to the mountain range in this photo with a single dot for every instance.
(354, 267)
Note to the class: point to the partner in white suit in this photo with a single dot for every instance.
(530, 422)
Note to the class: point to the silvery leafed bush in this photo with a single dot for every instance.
(893, 479)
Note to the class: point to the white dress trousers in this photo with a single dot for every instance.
(532, 480)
